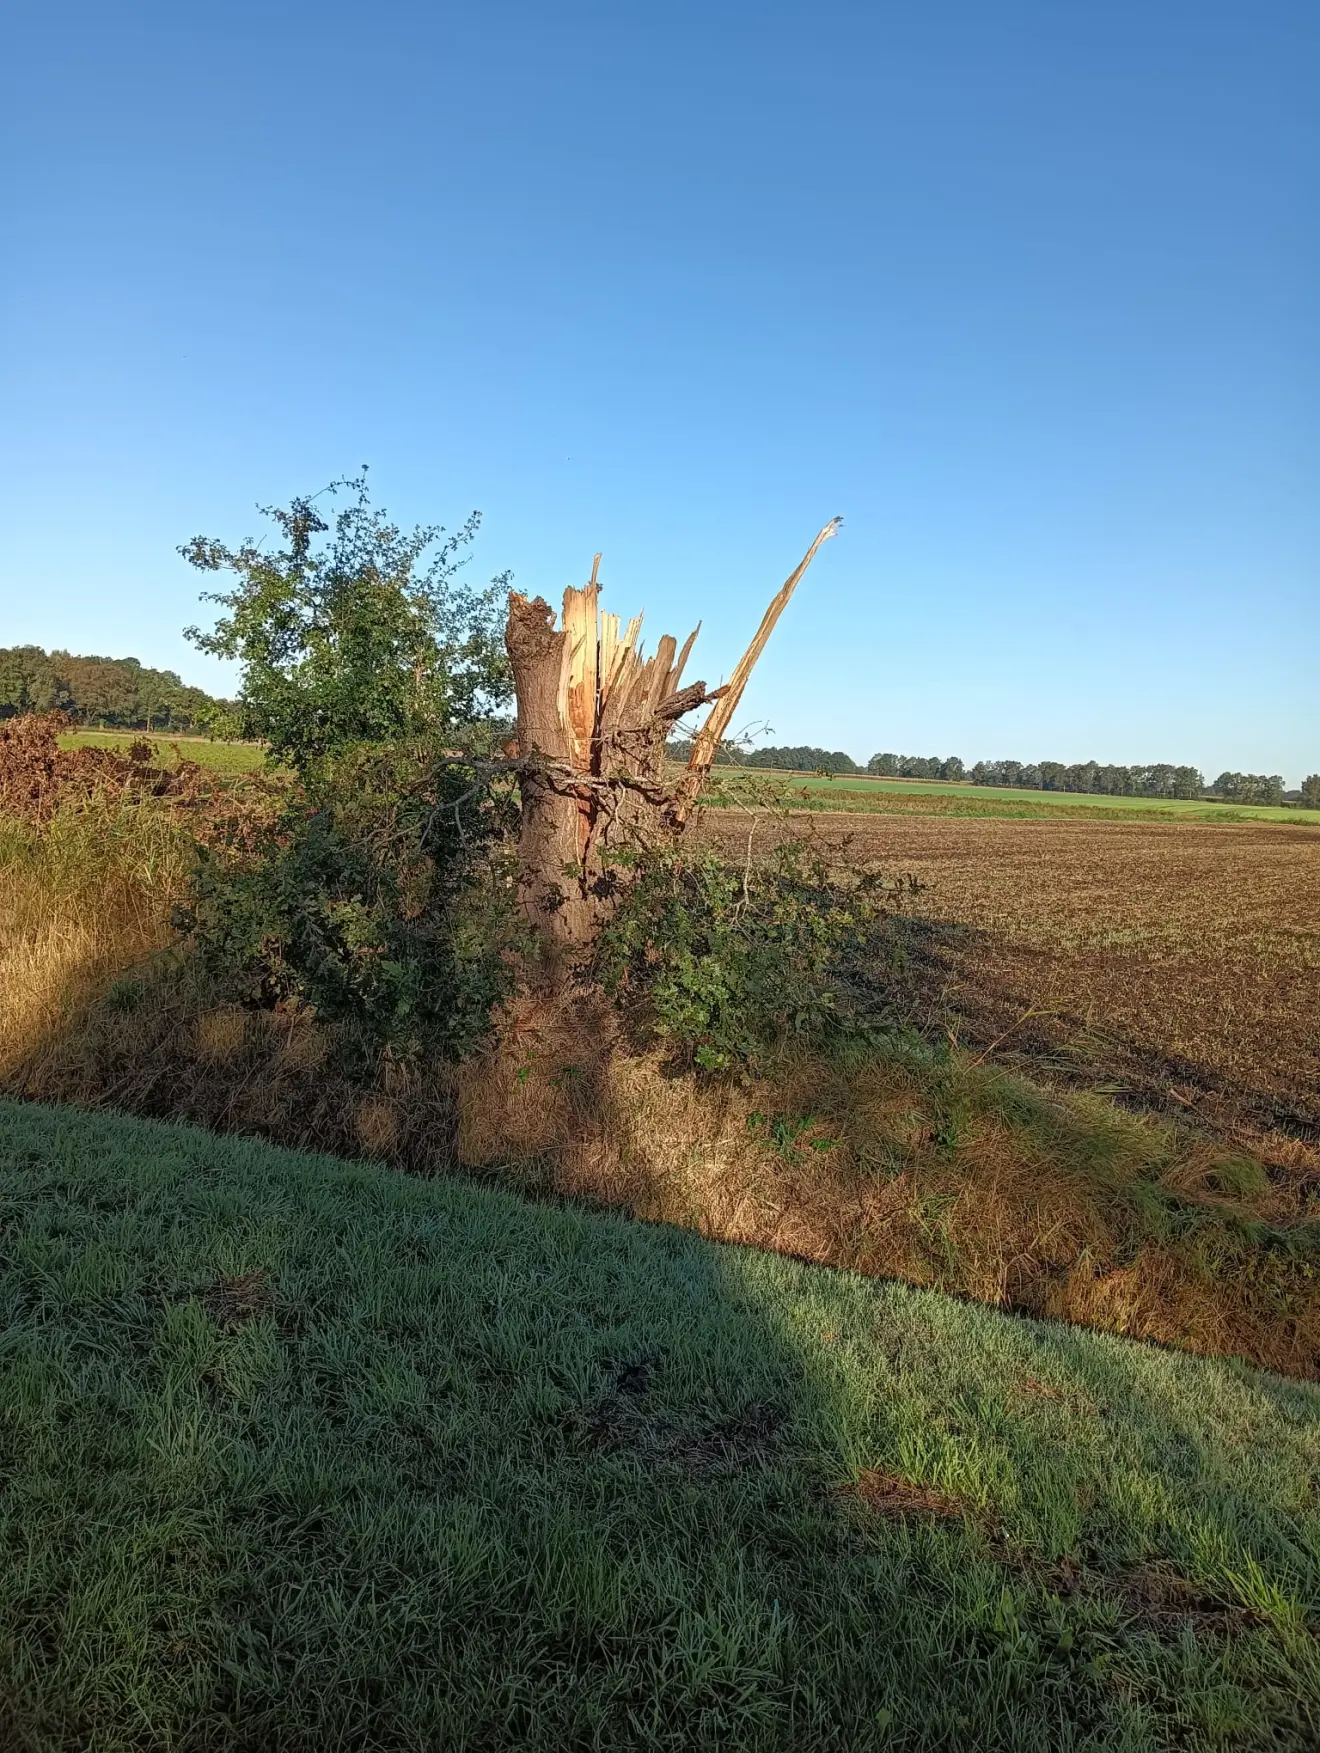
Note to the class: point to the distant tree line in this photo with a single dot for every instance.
(1153, 779)
(115, 692)
(1104, 779)
(917, 767)
(1158, 779)
(800, 760)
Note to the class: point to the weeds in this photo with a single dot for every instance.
(723, 962)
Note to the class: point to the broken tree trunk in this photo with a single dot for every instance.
(594, 716)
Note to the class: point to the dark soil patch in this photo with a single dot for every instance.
(232, 1302)
(1034, 1389)
(900, 1499)
(1154, 1598)
(730, 1445)
(1158, 1598)
(696, 1442)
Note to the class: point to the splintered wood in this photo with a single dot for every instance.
(594, 714)
(615, 705)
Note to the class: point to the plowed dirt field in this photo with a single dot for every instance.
(1170, 964)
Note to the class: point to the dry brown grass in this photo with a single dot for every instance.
(103, 1008)
(917, 1164)
(1172, 964)
(84, 900)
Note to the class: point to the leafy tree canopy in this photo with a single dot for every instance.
(916, 767)
(1250, 787)
(119, 692)
(350, 630)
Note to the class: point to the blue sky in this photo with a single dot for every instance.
(1027, 292)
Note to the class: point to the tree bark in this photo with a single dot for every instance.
(593, 719)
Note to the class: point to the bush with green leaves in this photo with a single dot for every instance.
(723, 962)
(349, 629)
(381, 900)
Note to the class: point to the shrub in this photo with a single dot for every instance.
(379, 900)
(724, 962)
(367, 635)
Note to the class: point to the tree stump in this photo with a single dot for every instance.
(594, 715)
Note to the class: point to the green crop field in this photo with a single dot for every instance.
(856, 791)
(304, 1454)
(223, 757)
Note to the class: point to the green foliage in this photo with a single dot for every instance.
(112, 691)
(1266, 788)
(1153, 779)
(1311, 791)
(801, 760)
(725, 961)
(916, 767)
(367, 636)
(379, 900)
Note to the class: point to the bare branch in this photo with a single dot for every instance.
(708, 738)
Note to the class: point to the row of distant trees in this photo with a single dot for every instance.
(1105, 779)
(1153, 779)
(116, 692)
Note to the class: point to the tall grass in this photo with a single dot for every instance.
(107, 1006)
(85, 901)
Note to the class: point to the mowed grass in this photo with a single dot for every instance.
(856, 791)
(218, 756)
(309, 1455)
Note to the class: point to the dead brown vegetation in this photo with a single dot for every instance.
(918, 1164)
(37, 776)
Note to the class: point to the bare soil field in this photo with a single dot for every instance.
(1170, 964)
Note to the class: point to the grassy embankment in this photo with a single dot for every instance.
(303, 1454)
(905, 1158)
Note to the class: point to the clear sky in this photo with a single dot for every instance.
(1028, 292)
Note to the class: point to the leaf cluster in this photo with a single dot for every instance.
(352, 630)
(380, 900)
(725, 961)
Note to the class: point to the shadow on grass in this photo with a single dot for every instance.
(308, 1455)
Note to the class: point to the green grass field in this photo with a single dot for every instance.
(852, 791)
(223, 757)
(310, 1455)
